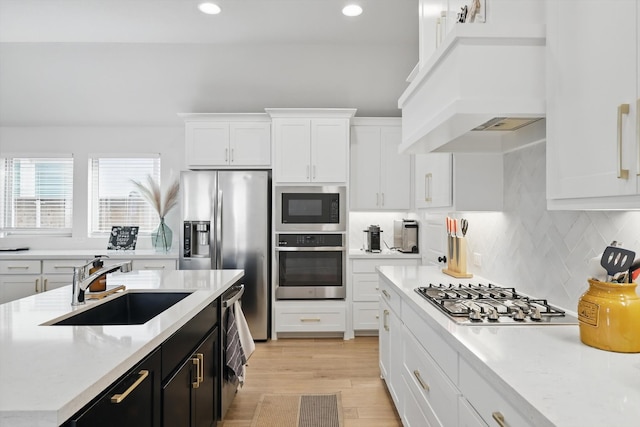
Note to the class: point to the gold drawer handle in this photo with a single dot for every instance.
(385, 318)
(118, 398)
(17, 267)
(622, 109)
(499, 419)
(309, 319)
(66, 267)
(386, 294)
(424, 385)
(154, 267)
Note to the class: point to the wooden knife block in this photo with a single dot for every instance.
(457, 258)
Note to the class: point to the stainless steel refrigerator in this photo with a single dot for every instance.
(226, 224)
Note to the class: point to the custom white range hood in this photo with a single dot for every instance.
(483, 90)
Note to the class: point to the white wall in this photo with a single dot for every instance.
(543, 253)
(81, 142)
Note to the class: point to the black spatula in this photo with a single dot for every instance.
(616, 260)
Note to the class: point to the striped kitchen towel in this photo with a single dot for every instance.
(234, 355)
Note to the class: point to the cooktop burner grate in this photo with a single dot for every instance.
(471, 304)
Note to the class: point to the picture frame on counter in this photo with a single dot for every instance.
(123, 238)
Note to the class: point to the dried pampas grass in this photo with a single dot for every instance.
(152, 194)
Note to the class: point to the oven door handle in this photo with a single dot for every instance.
(310, 249)
(235, 297)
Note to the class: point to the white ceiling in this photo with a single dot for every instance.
(107, 62)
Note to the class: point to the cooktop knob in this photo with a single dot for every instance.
(519, 315)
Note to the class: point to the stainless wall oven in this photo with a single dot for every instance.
(310, 266)
(310, 208)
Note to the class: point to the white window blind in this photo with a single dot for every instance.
(36, 195)
(114, 199)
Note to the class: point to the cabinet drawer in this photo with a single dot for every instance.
(428, 382)
(154, 264)
(61, 266)
(486, 400)
(365, 316)
(416, 412)
(389, 295)
(433, 343)
(20, 267)
(365, 287)
(310, 318)
(369, 265)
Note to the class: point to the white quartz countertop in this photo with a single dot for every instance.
(47, 373)
(85, 254)
(545, 371)
(385, 253)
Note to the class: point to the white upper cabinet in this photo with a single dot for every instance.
(459, 182)
(380, 176)
(593, 115)
(219, 140)
(476, 83)
(311, 145)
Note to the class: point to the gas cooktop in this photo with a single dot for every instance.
(479, 304)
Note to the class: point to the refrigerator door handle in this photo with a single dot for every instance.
(218, 251)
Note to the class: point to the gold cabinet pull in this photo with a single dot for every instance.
(226, 155)
(386, 294)
(18, 267)
(118, 398)
(622, 109)
(154, 267)
(423, 384)
(385, 319)
(45, 283)
(232, 150)
(196, 383)
(382, 199)
(427, 187)
(499, 419)
(200, 357)
(309, 319)
(377, 199)
(37, 283)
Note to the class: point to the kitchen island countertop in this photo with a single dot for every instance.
(47, 373)
(544, 371)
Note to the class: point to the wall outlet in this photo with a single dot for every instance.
(477, 259)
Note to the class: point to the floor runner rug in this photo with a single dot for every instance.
(298, 410)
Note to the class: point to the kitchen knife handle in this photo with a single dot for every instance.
(499, 419)
(622, 109)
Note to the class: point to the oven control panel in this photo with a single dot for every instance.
(309, 240)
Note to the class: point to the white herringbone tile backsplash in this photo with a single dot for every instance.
(540, 252)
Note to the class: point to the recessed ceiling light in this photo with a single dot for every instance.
(352, 10)
(209, 8)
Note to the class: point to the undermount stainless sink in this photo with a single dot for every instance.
(131, 308)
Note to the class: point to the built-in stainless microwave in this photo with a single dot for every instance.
(311, 208)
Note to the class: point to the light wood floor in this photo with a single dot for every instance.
(309, 366)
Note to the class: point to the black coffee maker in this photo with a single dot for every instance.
(373, 238)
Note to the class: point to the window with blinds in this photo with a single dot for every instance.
(114, 199)
(36, 195)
